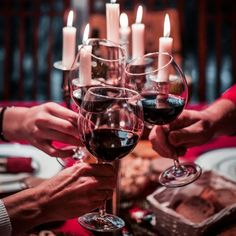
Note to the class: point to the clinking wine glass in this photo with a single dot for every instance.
(97, 62)
(111, 124)
(164, 92)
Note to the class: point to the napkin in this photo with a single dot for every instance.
(16, 165)
(12, 187)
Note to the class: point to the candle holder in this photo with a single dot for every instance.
(64, 85)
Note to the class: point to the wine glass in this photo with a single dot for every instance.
(97, 62)
(164, 91)
(111, 124)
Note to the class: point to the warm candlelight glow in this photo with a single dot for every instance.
(165, 45)
(124, 21)
(70, 18)
(139, 14)
(69, 38)
(167, 26)
(86, 33)
(113, 1)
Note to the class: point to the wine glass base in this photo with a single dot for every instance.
(61, 162)
(79, 156)
(95, 222)
(188, 173)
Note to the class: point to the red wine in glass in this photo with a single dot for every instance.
(162, 112)
(110, 144)
(79, 93)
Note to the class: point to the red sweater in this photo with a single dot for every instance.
(230, 94)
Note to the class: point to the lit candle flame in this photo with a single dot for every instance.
(167, 26)
(70, 18)
(139, 14)
(124, 21)
(86, 33)
(113, 1)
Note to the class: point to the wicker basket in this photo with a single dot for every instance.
(169, 222)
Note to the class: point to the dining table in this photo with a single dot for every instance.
(71, 227)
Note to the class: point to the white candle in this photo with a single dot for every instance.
(112, 20)
(85, 69)
(69, 37)
(165, 45)
(138, 35)
(124, 32)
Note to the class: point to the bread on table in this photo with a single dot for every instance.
(195, 209)
(221, 198)
(209, 202)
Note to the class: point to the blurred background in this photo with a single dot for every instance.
(204, 33)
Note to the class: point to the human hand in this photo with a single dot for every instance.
(43, 124)
(79, 189)
(71, 193)
(191, 128)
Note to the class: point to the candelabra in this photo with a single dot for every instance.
(64, 85)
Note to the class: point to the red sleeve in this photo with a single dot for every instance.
(230, 94)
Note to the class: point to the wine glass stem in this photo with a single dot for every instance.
(178, 168)
(102, 210)
(177, 164)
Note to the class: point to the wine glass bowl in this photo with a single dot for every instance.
(111, 125)
(162, 86)
(97, 62)
(164, 94)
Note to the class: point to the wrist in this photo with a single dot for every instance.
(221, 115)
(24, 210)
(210, 119)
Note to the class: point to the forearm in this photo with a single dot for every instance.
(12, 123)
(24, 210)
(222, 116)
